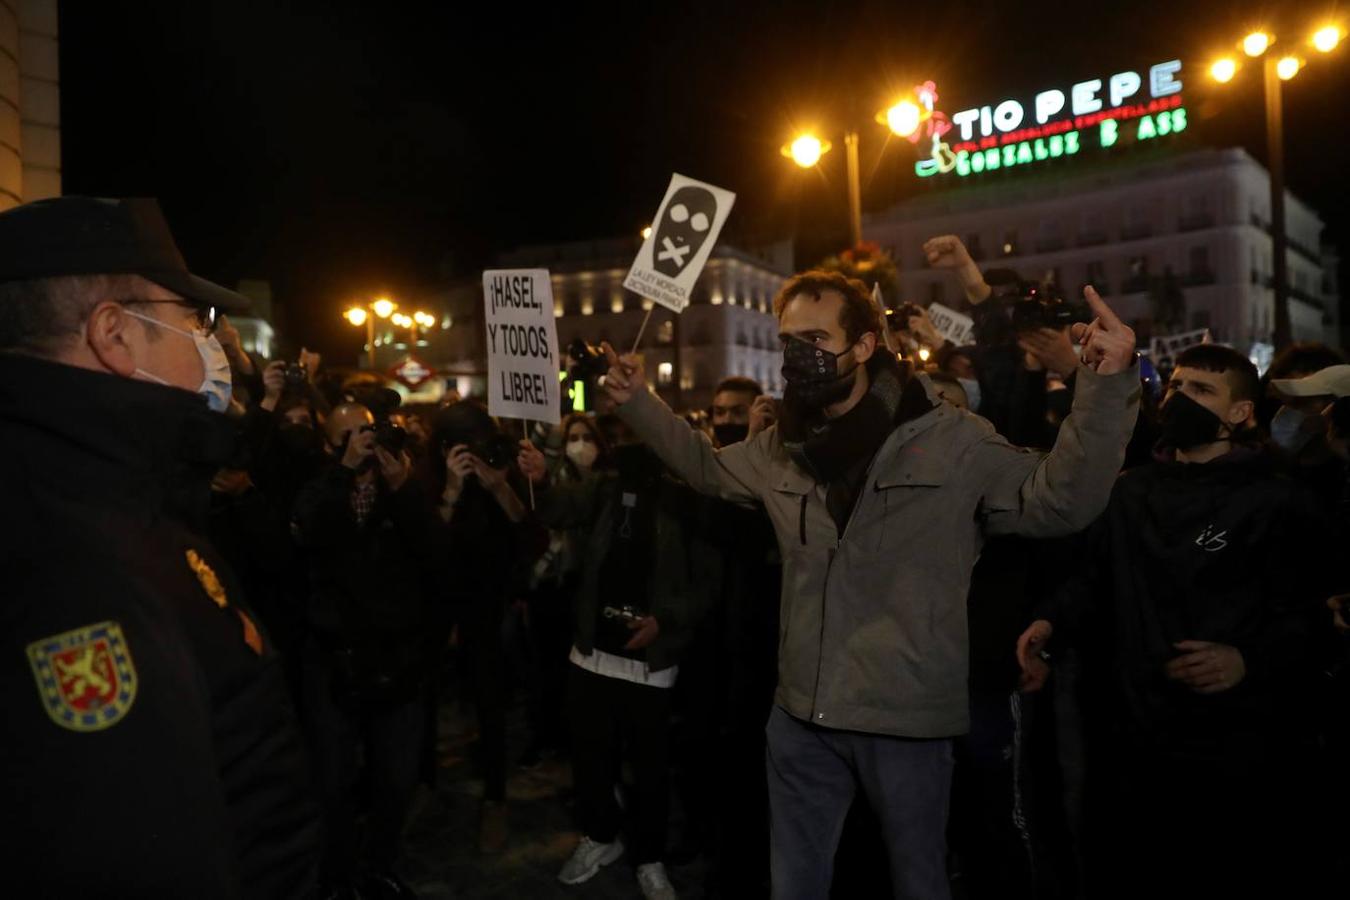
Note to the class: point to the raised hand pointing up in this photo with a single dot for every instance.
(1108, 343)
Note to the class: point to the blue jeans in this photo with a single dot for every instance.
(813, 775)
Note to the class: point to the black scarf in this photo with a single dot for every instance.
(838, 452)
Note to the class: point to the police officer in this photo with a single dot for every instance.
(149, 747)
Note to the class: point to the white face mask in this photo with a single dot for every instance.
(216, 384)
(972, 389)
(582, 453)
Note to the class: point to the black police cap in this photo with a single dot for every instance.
(95, 236)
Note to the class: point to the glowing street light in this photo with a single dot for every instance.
(903, 118)
(1327, 38)
(646, 232)
(384, 307)
(806, 150)
(1256, 43)
(1223, 70)
(357, 315)
(1324, 39)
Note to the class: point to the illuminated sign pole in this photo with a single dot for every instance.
(1126, 107)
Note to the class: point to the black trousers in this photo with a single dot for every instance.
(550, 642)
(389, 737)
(481, 643)
(611, 717)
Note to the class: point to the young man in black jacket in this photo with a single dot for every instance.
(1195, 612)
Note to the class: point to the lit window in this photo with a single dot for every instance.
(616, 304)
(587, 307)
(665, 373)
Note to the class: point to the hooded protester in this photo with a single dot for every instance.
(1194, 618)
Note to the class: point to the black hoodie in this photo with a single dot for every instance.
(1226, 551)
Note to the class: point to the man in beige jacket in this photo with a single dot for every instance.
(881, 497)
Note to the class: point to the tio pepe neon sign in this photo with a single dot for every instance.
(1093, 113)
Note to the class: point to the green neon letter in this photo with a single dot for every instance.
(1110, 132)
(1056, 146)
(1146, 129)
(1024, 152)
(1041, 152)
(1178, 119)
(1071, 143)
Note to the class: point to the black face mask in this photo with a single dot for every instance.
(636, 463)
(298, 440)
(812, 375)
(729, 433)
(1186, 424)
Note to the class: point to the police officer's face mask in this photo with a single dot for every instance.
(216, 384)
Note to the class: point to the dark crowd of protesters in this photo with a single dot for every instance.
(1029, 617)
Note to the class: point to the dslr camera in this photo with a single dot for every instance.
(382, 402)
(1031, 305)
(588, 362)
(898, 319)
(497, 450)
(297, 376)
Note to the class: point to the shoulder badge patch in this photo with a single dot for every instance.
(207, 576)
(86, 677)
(216, 591)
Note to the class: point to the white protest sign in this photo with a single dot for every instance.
(522, 345)
(1168, 346)
(951, 324)
(683, 233)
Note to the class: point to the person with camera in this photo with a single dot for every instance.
(1195, 610)
(646, 579)
(368, 531)
(487, 542)
(150, 747)
(881, 496)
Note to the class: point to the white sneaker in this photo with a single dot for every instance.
(588, 858)
(654, 883)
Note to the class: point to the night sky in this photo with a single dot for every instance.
(343, 148)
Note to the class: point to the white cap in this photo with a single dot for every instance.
(1333, 381)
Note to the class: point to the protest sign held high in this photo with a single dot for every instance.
(951, 324)
(682, 236)
(522, 344)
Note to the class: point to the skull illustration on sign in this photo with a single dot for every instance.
(683, 229)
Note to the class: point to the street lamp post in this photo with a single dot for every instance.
(1277, 69)
(1279, 238)
(806, 149)
(384, 308)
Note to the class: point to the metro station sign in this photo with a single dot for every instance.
(1098, 114)
(412, 372)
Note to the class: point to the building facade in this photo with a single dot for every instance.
(30, 102)
(1190, 228)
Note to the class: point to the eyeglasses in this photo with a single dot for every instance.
(207, 318)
